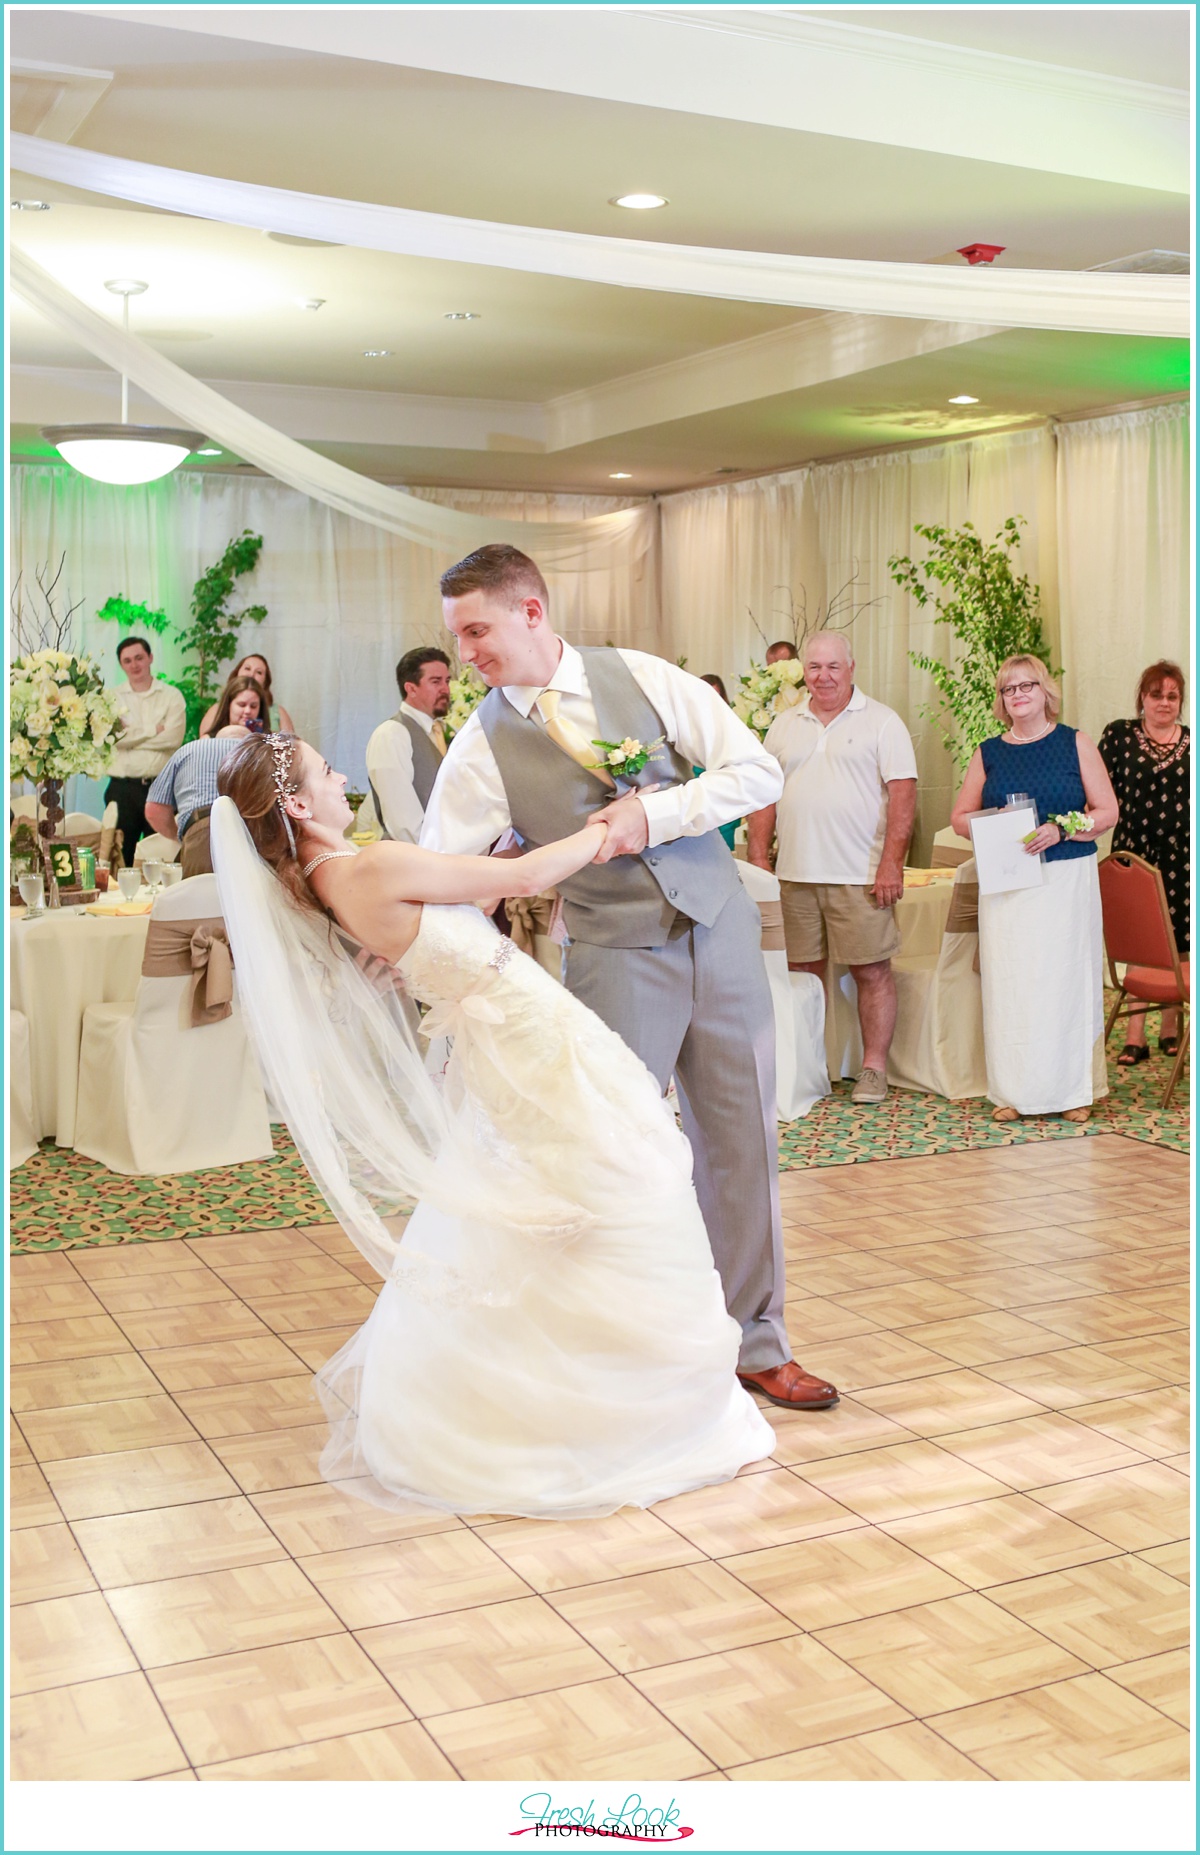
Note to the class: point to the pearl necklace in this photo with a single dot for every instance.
(1027, 740)
(326, 856)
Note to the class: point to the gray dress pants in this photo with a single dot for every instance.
(699, 1008)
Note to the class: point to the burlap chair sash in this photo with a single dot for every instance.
(529, 915)
(198, 948)
(772, 927)
(963, 917)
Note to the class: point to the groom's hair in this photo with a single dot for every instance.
(498, 569)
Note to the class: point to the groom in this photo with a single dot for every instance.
(664, 941)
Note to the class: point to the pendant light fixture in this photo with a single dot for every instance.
(123, 453)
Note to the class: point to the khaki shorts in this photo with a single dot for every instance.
(836, 920)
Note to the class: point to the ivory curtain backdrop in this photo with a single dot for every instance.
(1108, 511)
(1107, 503)
(344, 598)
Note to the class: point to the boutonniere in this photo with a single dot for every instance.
(624, 759)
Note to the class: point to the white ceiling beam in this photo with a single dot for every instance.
(760, 65)
(313, 415)
(804, 354)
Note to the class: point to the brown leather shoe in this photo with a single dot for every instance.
(791, 1387)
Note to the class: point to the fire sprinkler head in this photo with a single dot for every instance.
(980, 254)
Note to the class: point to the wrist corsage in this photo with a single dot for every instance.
(624, 759)
(1072, 823)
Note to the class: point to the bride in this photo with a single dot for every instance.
(551, 1337)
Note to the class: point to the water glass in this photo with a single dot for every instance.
(129, 882)
(152, 871)
(170, 873)
(30, 888)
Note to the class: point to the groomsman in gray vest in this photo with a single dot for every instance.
(404, 755)
(664, 942)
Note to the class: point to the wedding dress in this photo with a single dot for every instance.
(551, 1338)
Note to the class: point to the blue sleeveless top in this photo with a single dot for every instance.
(1048, 770)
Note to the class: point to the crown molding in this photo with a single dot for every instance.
(810, 32)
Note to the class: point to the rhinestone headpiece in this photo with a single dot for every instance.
(283, 778)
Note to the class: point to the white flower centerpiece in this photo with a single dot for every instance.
(467, 691)
(61, 721)
(767, 692)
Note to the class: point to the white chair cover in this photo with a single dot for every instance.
(157, 1095)
(24, 805)
(801, 1076)
(157, 849)
(83, 827)
(949, 849)
(22, 1135)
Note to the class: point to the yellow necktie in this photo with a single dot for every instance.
(571, 739)
(437, 735)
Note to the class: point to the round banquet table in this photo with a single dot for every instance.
(60, 964)
(938, 1045)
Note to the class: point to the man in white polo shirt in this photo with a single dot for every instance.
(843, 821)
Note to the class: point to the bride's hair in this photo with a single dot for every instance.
(256, 776)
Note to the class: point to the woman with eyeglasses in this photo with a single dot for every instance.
(1041, 950)
(1149, 761)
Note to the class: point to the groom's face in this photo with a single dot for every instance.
(504, 641)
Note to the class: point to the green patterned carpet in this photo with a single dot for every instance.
(58, 1200)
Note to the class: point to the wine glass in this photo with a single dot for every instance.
(129, 882)
(30, 889)
(152, 871)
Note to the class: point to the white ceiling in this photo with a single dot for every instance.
(560, 383)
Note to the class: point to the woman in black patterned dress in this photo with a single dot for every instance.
(1150, 764)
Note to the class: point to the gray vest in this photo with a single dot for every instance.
(632, 901)
(426, 764)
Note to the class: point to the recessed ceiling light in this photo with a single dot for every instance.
(639, 202)
(375, 354)
(963, 399)
(208, 451)
(461, 315)
(614, 474)
(30, 206)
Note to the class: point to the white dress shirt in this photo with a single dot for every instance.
(832, 818)
(390, 771)
(468, 809)
(142, 752)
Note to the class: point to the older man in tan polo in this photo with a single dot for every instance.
(843, 822)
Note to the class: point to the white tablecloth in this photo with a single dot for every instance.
(938, 1045)
(58, 966)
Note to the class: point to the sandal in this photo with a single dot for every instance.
(1135, 1053)
(1168, 1045)
(1005, 1114)
(1077, 1114)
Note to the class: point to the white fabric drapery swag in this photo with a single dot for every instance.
(575, 547)
(1109, 302)
(344, 600)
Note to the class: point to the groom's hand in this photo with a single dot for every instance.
(628, 828)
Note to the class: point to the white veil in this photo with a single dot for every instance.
(342, 1067)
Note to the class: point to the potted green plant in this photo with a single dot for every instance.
(993, 612)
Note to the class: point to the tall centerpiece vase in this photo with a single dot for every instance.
(51, 816)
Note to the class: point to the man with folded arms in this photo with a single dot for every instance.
(843, 820)
(154, 718)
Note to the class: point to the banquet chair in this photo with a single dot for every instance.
(949, 849)
(156, 849)
(801, 1075)
(83, 827)
(1138, 935)
(169, 1082)
(23, 1141)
